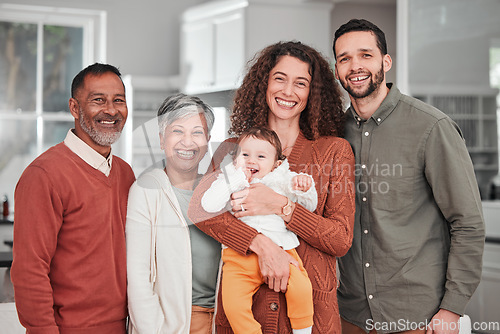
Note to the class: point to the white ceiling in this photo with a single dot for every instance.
(387, 2)
(371, 2)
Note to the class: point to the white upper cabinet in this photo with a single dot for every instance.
(218, 38)
(198, 55)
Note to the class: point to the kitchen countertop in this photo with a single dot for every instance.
(6, 221)
(5, 259)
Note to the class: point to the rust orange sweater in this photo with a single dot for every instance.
(69, 268)
(324, 234)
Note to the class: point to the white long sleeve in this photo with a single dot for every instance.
(158, 258)
(280, 180)
(231, 180)
(217, 196)
(143, 301)
(308, 199)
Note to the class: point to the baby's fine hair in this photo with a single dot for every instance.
(266, 134)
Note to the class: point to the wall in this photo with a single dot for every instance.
(449, 29)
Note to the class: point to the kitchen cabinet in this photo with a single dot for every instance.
(212, 50)
(485, 303)
(6, 235)
(218, 38)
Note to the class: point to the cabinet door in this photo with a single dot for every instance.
(484, 304)
(197, 56)
(229, 49)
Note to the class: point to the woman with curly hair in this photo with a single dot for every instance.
(291, 89)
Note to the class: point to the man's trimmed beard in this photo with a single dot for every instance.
(373, 86)
(100, 138)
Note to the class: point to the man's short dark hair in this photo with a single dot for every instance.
(94, 69)
(361, 25)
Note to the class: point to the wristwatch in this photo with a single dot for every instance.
(287, 208)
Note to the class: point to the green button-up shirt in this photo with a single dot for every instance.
(419, 231)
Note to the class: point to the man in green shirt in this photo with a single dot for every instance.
(418, 241)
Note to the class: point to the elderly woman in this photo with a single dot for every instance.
(172, 266)
(291, 89)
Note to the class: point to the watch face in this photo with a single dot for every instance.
(287, 209)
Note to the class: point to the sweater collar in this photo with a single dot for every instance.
(297, 148)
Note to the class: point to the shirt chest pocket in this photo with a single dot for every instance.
(391, 190)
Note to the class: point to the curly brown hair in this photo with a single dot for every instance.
(323, 115)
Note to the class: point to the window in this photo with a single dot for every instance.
(43, 48)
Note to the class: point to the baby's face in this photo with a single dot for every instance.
(257, 156)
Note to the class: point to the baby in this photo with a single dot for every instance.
(259, 159)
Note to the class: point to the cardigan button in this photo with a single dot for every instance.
(273, 306)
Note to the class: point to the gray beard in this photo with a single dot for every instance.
(100, 138)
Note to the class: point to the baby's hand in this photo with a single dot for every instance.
(301, 182)
(240, 162)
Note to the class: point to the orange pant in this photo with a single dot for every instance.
(241, 278)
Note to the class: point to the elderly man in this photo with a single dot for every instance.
(69, 268)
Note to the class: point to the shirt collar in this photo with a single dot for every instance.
(384, 110)
(88, 154)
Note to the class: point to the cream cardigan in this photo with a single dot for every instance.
(159, 266)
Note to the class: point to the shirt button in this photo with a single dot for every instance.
(367, 134)
(363, 166)
(370, 296)
(365, 231)
(364, 199)
(273, 306)
(379, 119)
(367, 264)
